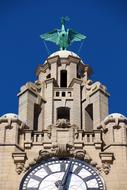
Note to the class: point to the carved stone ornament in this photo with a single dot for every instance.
(107, 159)
(106, 167)
(116, 119)
(63, 123)
(19, 167)
(10, 120)
(19, 160)
(61, 151)
(91, 86)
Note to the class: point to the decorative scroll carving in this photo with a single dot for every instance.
(32, 86)
(90, 86)
(115, 119)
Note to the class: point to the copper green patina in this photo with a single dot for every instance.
(62, 37)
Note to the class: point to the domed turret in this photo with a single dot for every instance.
(10, 115)
(115, 116)
(64, 54)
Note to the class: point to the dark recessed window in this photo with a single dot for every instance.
(63, 113)
(37, 111)
(63, 78)
(63, 94)
(89, 117)
(57, 93)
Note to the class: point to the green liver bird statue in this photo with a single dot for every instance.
(62, 37)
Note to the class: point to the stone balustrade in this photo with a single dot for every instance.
(40, 137)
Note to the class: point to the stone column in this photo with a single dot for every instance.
(76, 110)
(27, 99)
(100, 107)
(48, 111)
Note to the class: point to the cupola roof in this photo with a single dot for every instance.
(63, 54)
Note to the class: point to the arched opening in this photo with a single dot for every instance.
(63, 113)
(63, 78)
(37, 110)
(89, 117)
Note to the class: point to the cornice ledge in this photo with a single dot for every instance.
(102, 90)
(107, 156)
(51, 80)
(27, 88)
(53, 59)
(75, 80)
(74, 59)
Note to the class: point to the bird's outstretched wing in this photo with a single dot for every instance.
(75, 36)
(51, 36)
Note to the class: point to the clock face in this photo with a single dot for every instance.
(62, 174)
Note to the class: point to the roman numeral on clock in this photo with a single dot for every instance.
(88, 178)
(77, 170)
(47, 169)
(37, 178)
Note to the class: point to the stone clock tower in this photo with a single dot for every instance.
(63, 137)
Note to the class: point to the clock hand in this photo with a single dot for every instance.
(62, 184)
(66, 174)
(68, 179)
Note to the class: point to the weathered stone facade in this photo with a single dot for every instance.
(63, 114)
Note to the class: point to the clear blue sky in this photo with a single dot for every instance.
(104, 23)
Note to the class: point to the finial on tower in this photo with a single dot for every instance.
(62, 37)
